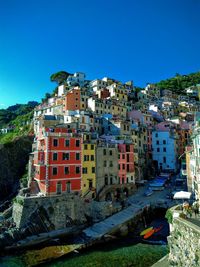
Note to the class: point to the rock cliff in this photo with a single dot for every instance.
(13, 159)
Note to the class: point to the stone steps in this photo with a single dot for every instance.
(113, 222)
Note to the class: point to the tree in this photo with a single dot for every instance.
(59, 77)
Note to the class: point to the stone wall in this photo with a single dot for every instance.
(184, 241)
(62, 210)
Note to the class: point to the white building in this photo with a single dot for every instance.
(98, 84)
(77, 78)
(164, 145)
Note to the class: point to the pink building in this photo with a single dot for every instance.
(126, 163)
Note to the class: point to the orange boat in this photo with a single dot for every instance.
(150, 233)
(158, 229)
(144, 232)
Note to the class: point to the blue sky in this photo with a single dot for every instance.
(139, 40)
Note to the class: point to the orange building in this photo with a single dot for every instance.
(184, 132)
(73, 99)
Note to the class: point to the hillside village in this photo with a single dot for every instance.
(96, 135)
(94, 143)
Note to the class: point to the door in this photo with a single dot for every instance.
(68, 187)
(59, 188)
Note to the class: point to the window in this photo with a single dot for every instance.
(77, 143)
(55, 156)
(164, 149)
(123, 166)
(104, 151)
(110, 152)
(157, 142)
(123, 156)
(92, 157)
(111, 164)
(85, 146)
(92, 147)
(86, 158)
(164, 159)
(84, 170)
(65, 156)
(93, 169)
(66, 142)
(105, 164)
(158, 149)
(164, 142)
(156, 135)
(55, 171)
(77, 169)
(128, 158)
(77, 156)
(118, 156)
(66, 170)
(55, 142)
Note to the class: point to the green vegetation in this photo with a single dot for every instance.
(21, 126)
(59, 77)
(18, 200)
(140, 255)
(18, 119)
(179, 83)
(169, 216)
(24, 178)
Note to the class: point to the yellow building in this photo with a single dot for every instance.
(118, 91)
(88, 169)
(140, 140)
(113, 107)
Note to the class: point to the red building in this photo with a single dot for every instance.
(126, 163)
(57, 161)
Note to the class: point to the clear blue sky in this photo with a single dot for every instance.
(139, 40)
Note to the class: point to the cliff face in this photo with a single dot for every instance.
(13, 159)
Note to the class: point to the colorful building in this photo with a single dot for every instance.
(88, 167)
(164, 144)
(126, 163)
(72, 99)
(106, 165)
(57, 161)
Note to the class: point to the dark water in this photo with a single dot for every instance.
(126, 251)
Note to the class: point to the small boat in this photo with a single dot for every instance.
(146, 231)
(158, 229)
(148, 192)
(150, 233)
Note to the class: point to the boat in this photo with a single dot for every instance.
(150, 233)
(148, 192)
(158, 229)
(146, 231)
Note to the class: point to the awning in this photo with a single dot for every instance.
(182, 195)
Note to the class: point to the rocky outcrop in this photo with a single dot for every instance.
(13, 159)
